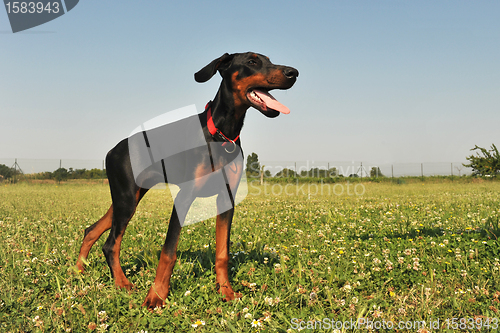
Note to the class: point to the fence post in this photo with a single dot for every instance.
(422, 170)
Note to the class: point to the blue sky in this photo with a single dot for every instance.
(380, 81)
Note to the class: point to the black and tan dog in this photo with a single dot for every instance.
(246, 80)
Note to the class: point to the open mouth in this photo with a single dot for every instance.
(264, 101)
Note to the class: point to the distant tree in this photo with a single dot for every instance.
(95, 174)
(320, 173)
(353, 175)
(285, 173)
(60, 174)
(253, 165)
(78, 173)
(333, 172)
(314, 172)
(6, 172)
(45, 175)
(485, 162)
(375, 172)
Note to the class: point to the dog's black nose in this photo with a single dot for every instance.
(290, 72)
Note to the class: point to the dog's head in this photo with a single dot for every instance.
(251, 76)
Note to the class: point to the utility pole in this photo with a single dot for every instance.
(16, 167)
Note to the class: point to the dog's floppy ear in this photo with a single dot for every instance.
(222, 63)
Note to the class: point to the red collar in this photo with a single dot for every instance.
(214, 130)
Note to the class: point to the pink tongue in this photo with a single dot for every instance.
(271, 102)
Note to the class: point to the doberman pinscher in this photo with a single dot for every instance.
(247, 79)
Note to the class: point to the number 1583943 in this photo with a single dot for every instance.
(31, 7)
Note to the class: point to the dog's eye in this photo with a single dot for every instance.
(252, 62)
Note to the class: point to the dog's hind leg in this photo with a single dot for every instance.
(125, 194)
(123, 210)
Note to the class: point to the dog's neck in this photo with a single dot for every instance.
(228, 117)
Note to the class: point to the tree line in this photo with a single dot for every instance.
(485, 163)
(254, 169)
(60, 174)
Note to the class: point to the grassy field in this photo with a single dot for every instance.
(302, 257)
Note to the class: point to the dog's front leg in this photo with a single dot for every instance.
(223, 230)
(159, 290)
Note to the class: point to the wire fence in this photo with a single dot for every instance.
(358, 168)
(366, 169)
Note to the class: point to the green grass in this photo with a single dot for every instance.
(420, 251)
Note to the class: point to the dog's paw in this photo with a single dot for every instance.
(153, 299)
(152, 303)
(124, 283)
(227, 293)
